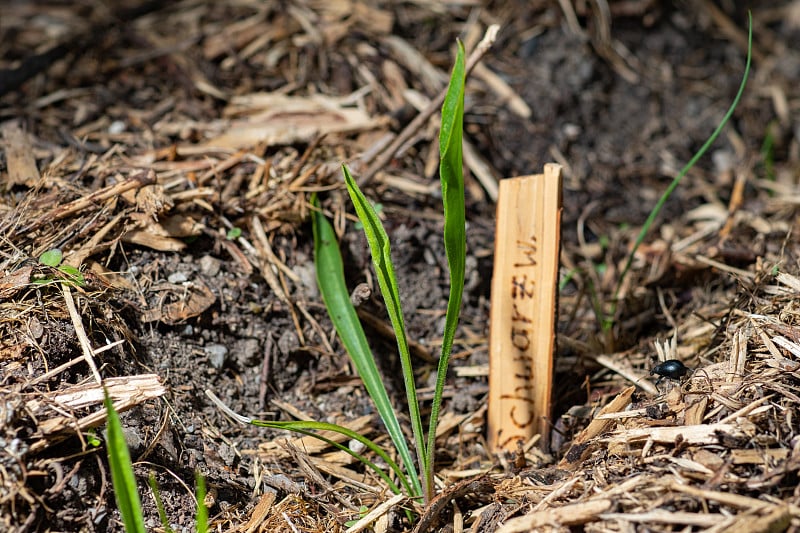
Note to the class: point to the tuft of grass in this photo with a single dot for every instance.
(123, 480)
(415, 478)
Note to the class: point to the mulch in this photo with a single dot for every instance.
(170, 151)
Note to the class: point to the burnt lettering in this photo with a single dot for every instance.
(521, 287)
(528, 249)
(520, 339)
(518, 423)
(516, 316)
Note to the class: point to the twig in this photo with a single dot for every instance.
(92, 200)
(77, 323)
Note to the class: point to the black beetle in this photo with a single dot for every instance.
(671, 368)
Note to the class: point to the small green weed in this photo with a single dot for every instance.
(123, 480)
(415, 478)
(63, 273)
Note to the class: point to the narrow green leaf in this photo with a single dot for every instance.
(380, 250)
(122, 477)
(330, 278)
(312, 429)
(202, 510)
(51, 258)
(455, 237)
(676, 181)
(162, 513)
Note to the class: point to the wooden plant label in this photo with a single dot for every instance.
(523, 308)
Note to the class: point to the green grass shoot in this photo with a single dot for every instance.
(202, 511)
(123, 479)
(609, 320)
(162, 513)
(451, 175)
(415, 478)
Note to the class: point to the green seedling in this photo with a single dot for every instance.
(337, 302)
(233, 234)
(415, 478)
(162, 513)
(123, 479)
(608, 319)
(66, 273)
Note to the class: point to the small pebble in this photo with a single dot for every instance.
(217, 354)
(307, 273)
(210, 266)
(356, 446)
(117, 127)
(177, 277)
(723, 160)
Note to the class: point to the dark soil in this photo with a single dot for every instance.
(622, 117)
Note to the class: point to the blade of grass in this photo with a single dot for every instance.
(123, 479)
(202, 510)
(312, 428)
(330, 278)
(162, 513)
(380, 250)
(455, 238)
(703, 149)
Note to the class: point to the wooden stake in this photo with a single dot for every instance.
(523, 311)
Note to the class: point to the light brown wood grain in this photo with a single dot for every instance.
(522, 322)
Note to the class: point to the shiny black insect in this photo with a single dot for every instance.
(671, 369)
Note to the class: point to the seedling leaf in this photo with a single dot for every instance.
(125, 490)
(455, 238)
(380, 250)
(330, 278)
(51, 258)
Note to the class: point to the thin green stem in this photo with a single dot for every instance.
(675, 182)
(455, 239)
